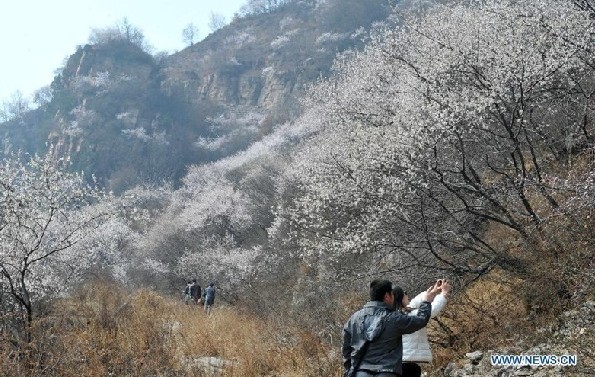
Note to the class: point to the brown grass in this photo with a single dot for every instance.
(484, 316)
(105, 332)
(509, 308)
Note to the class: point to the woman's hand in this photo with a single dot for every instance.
(445, 288)
(433, 291)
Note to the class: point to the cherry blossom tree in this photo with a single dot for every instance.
(441, 128)
(261, 6)
(111, 249)
(44, 213)
(588, 5)
(217, 221)
(219, 260)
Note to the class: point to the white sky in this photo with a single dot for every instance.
(37, 35)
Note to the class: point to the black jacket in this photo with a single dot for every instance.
(195, 291)
(385, 350)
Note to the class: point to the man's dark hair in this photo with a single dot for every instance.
(378, 288)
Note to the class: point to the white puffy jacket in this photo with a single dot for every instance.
(416, 347)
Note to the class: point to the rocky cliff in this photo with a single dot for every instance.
(128, 117)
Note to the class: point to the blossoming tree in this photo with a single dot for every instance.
(441, 128)
(44, 213)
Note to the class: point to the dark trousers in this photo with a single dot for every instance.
(411, 370)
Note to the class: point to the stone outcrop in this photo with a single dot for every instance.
(573, 335)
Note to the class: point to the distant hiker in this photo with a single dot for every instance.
(188, 293)
(416, 348)
(372, 336)
(209, 297)
(195, 292)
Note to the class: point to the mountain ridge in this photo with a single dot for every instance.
(130, 118)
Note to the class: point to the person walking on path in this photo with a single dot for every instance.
(195, 292)
(188, 293)
(372, 345)
(209, 296)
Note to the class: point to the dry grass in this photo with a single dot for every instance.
(105, 332)
(484, 316)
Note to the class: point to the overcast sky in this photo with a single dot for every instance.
(37, 35)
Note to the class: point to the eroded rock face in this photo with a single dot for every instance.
(574, 336)
(114, 103)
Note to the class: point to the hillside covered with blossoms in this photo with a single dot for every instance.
(445, 139)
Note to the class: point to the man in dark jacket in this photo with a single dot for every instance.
(195, 291)
(209, 297)
(372, 345)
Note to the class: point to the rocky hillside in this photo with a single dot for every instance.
(128, 117)
(570, 336)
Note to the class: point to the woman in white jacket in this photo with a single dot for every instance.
(416, 348)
